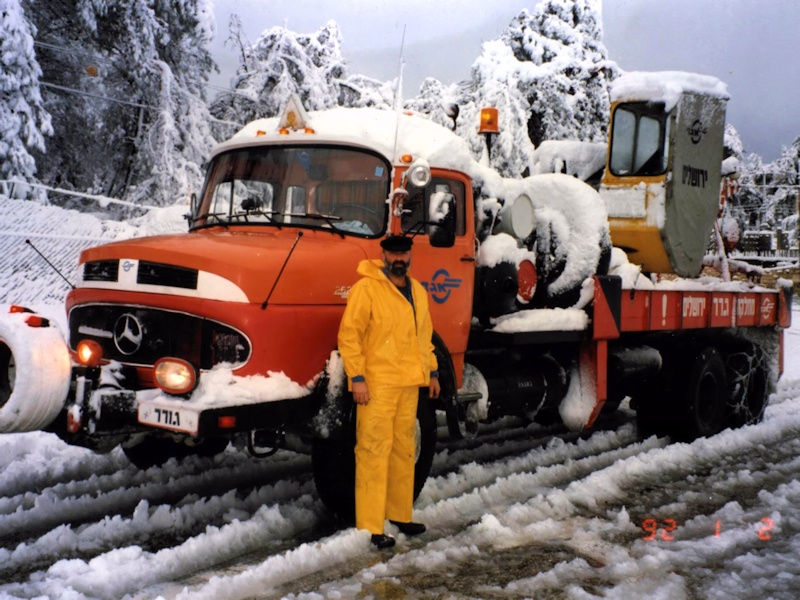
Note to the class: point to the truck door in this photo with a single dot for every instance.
(446, 271)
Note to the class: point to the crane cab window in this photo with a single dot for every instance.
(639, 140)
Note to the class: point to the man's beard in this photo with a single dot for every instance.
(398, 268)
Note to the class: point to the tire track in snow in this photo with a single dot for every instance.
(453, 511)
(65, 542)
(589, 514)
(120, 493)
(521, 491)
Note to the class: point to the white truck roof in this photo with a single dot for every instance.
(390, 133)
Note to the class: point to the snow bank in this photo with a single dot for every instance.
(579, 159)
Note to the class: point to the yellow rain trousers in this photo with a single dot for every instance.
(387, 342)
(385, 448)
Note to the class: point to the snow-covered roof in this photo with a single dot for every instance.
(664, 86)
(390, 133)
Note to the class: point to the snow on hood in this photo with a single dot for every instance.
(664, 86)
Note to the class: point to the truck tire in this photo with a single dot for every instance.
(334, 465)
(703, 409)
(154, 451)
(35, 371)
(748, 376)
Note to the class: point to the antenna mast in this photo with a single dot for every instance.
(398, 92)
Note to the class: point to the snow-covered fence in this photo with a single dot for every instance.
(8, 188)
(60, 235)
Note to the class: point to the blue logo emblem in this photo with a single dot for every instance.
(440, 286)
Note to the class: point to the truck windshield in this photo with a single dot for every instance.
(639, 139)
(339, 189)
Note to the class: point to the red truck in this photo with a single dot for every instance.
(547, 295)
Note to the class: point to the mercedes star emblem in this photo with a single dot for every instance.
(127, 334)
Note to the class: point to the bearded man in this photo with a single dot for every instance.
(385, 340)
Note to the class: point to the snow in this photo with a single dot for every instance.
(580, 159)
(390, 133)
(502, 248)
(664, 86)
(630, 274)
(219, 384)
(543, 319)
(80, 525)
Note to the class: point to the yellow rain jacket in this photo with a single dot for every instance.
(380, 337)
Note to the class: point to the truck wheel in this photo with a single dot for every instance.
(749, 386)
(462, 420)
(705, 392)
(154, 451)
(34, 374)
(655, 401)
(334, 465)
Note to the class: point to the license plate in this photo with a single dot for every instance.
(168, 416)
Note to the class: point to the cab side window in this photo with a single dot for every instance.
(423, 205)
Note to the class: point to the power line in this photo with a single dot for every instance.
(134, 104)
(83, 93)
(103, 59)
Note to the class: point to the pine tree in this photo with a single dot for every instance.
(130, 108)
(565, 69)
(281, 63)
(24, 122)
(547, 75)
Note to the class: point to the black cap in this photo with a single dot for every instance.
(396, 243)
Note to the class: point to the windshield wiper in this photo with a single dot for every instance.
(329, 219)
(209, 216)
(260, 213)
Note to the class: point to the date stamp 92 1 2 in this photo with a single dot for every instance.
(668, 529)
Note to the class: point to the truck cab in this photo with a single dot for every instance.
(258, 286)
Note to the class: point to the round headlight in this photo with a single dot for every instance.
(89, 353)
(419, 173)
(175, 376)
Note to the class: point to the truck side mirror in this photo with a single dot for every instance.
(192, 215)
(442, 230)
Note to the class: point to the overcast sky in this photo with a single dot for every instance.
(752, 45)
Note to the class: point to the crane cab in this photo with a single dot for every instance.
(662, 177)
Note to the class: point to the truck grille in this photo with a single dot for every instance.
(137, 335)
(101, 270)
(149, 273)
(159, 274)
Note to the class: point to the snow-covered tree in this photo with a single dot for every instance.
(127, 95)
(281, 63)
(780, 201)
(547, 75)
(178, 138)
(564, 70)
(437, 102)
(767, 191)
(24, 122)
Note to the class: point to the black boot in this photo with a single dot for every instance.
(409, 528)
(382, 541)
